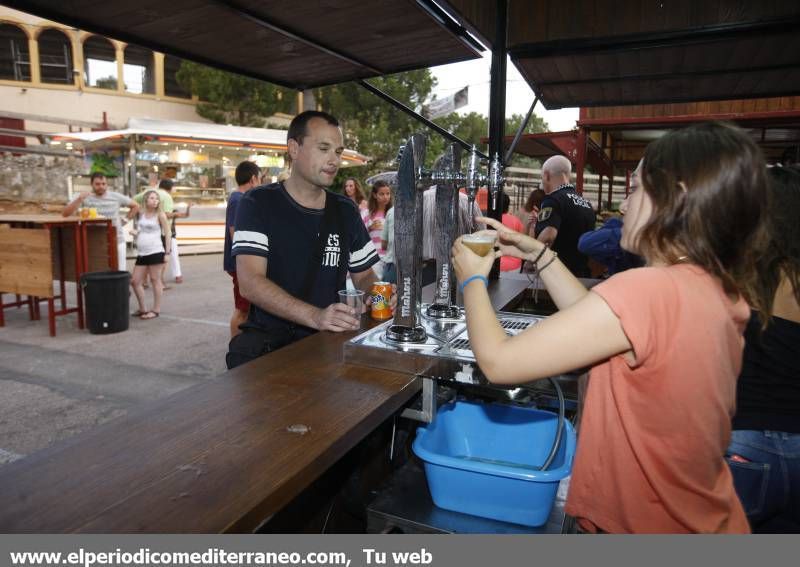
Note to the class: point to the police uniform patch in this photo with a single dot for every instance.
(545, 213)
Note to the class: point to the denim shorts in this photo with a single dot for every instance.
(766, 473)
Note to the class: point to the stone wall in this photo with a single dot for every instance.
(29, 181)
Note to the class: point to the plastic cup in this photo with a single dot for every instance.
(353, 298)
(478, 243)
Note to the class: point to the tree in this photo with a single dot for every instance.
(372, 126)
(228, 98)
(535, 125)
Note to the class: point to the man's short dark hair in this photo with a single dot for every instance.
(245, 172)
(298, 128)
(165, 184)
(96, 175)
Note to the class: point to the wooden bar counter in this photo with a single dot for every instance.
(221, 456)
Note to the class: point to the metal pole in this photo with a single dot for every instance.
(497, 94)
(497, 108)
(132, 186)
(520, 130)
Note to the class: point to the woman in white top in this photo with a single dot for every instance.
(153, 238)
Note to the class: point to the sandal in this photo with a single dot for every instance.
(166, 287)
(152, 315)
(179, 279)
(138, 313)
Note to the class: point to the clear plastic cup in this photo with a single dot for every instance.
(479, 243)
(353, 298)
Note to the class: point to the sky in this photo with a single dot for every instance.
(519, 96)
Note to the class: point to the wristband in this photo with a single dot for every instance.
(471, 278)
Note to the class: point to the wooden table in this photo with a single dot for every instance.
(217, 457)
(36, 249)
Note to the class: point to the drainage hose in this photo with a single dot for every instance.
(559, 428)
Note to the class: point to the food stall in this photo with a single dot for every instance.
(199, 157)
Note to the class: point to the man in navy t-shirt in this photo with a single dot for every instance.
(564, 216)
(293, 244)
(247, 176)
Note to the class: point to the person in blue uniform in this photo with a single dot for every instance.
(564, 216)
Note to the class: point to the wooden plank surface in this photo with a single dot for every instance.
(39, 219)
(25, 262)
(217, 457)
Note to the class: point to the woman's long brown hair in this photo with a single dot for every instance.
(708, 187)
(373, 197)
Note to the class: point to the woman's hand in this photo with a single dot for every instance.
(466, 263)
(512, 243)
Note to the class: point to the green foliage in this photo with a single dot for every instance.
(106, 83)
(376, 129)
(535, 125)
(370, 125)
(104, 163)
(227, 98)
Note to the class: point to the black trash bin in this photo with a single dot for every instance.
(107, 301)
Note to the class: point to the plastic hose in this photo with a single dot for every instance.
(559, 428)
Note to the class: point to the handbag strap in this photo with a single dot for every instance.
(330, 223)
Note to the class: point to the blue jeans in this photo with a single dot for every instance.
(390, 273)
(768, 483)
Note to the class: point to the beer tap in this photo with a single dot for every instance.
(445, 215)
(496, 179)
(408, 243)
(473, 181)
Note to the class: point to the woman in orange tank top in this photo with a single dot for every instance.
(664, 341)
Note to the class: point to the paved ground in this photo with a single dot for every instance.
(54, 387)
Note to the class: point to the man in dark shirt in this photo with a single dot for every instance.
(247, 176)
(294, 242)
(564, 215)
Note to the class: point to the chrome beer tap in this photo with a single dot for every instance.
(473, 180)
(496, 179)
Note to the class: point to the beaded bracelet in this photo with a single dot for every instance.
(539, 257)
(471, 278)
(553, 259)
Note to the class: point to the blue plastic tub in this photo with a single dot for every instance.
(481, 459)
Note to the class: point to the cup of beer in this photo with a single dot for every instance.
(353, 298)
(481, 244)
(92, 213)
(84, 213)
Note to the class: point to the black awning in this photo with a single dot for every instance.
(298, 44)
(629, 52)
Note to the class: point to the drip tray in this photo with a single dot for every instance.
(445, 354)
